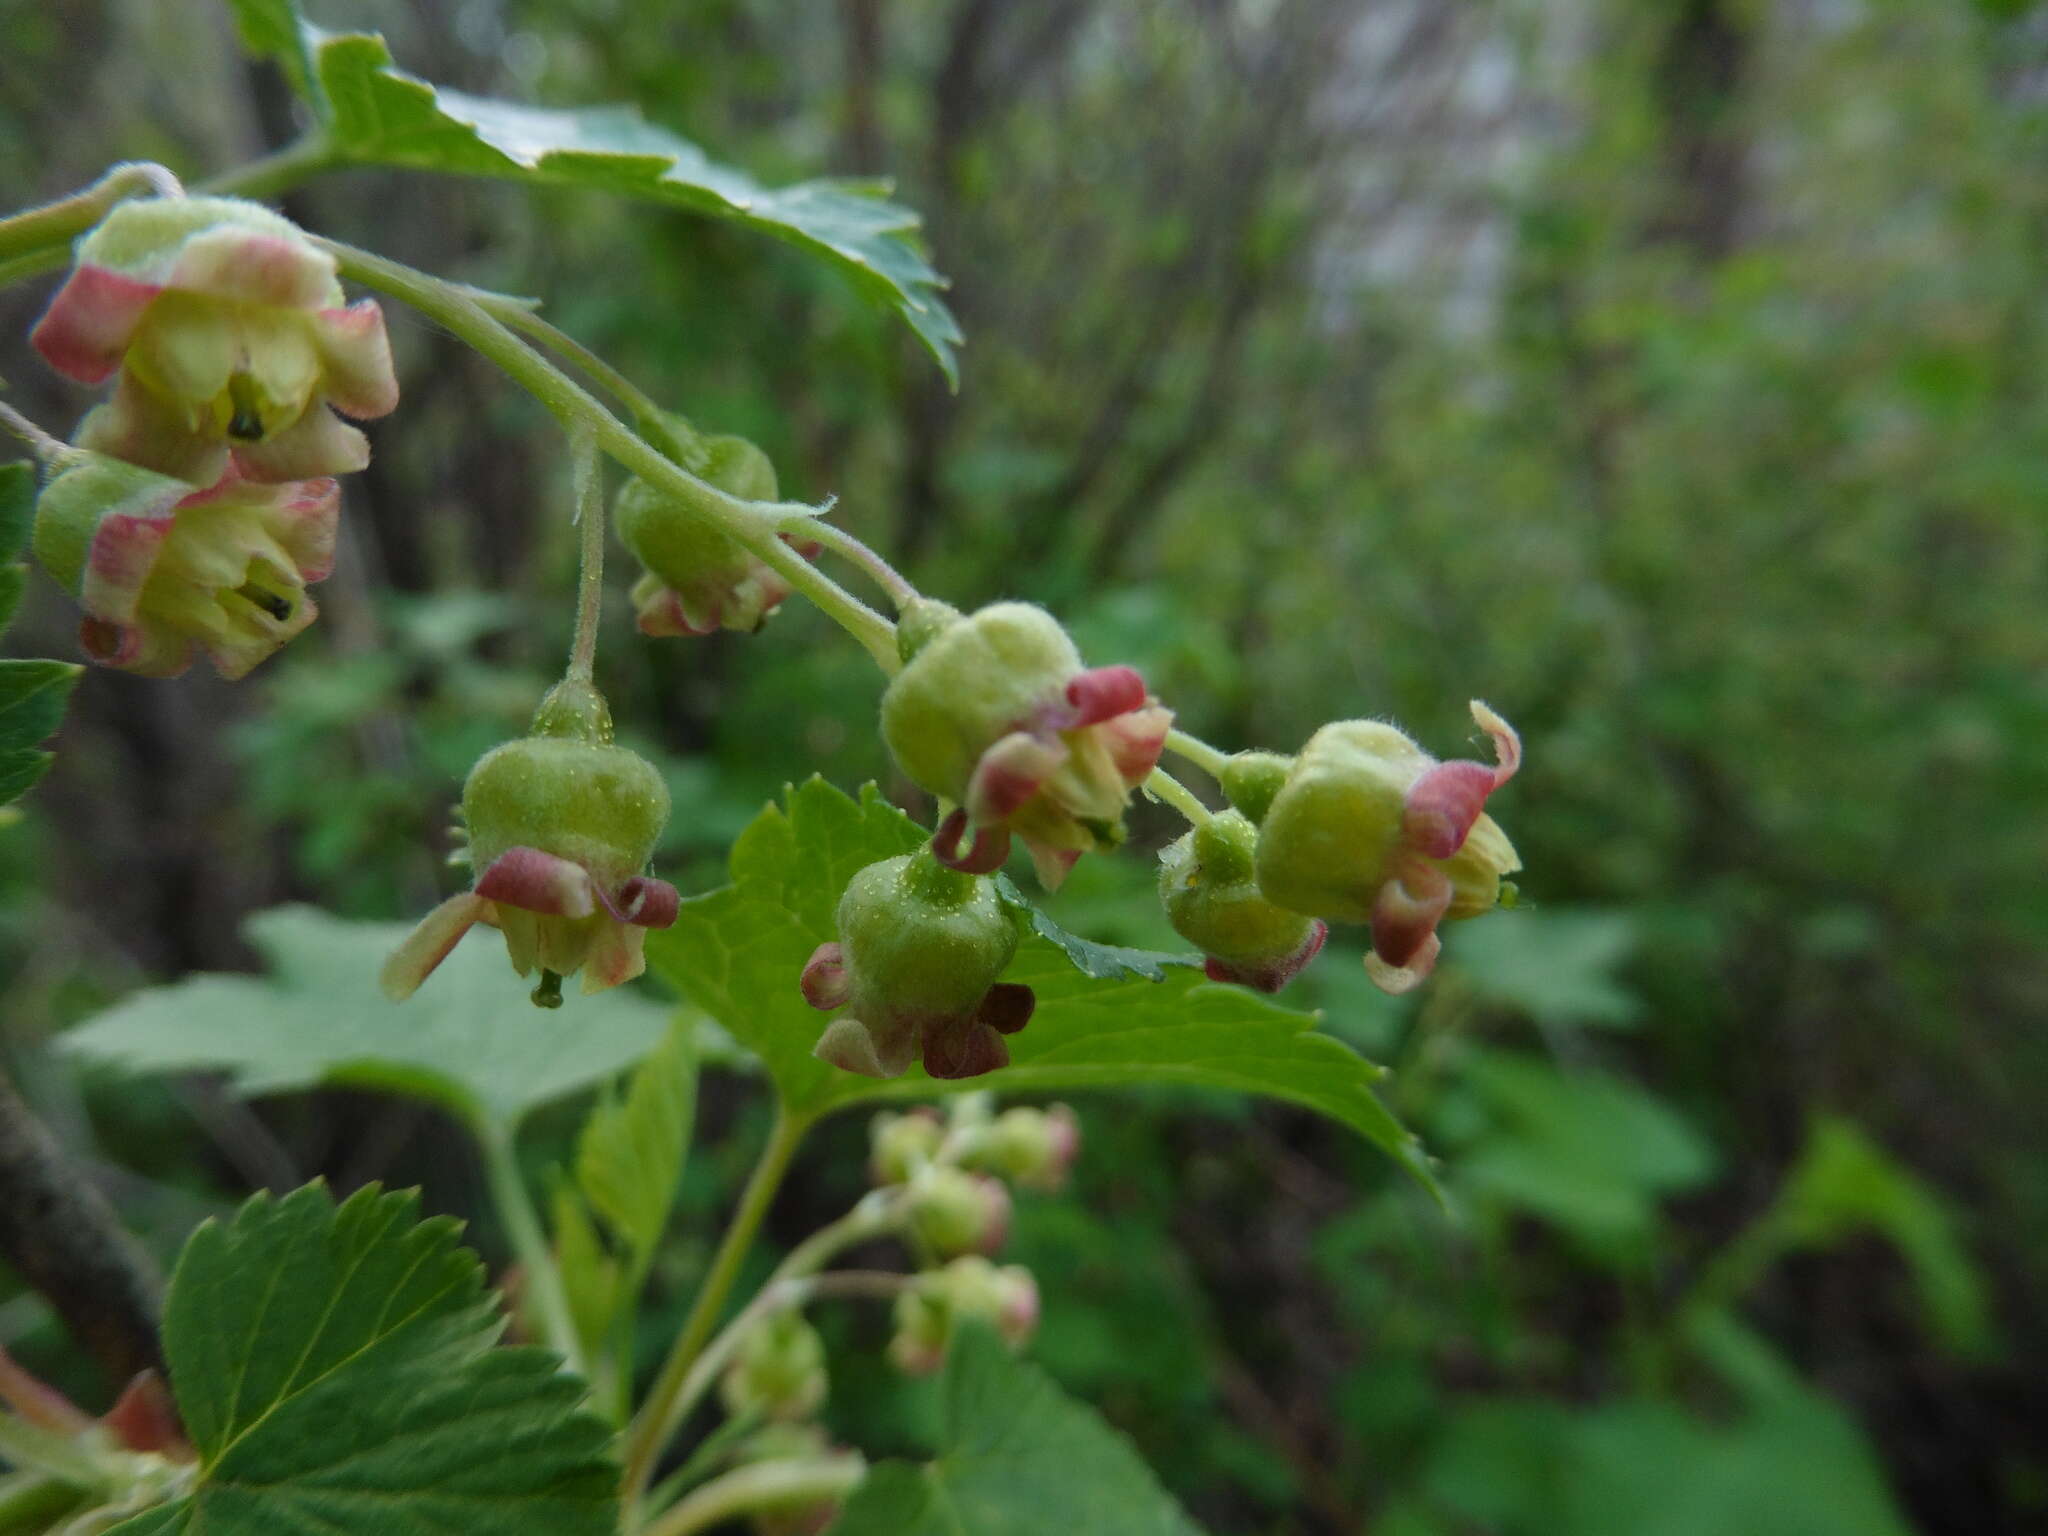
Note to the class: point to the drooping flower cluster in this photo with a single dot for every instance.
(199, 501)
(957, 1219)
(995, 713)
(561, 825)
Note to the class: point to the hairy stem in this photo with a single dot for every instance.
(752, 524)
(844, 544)
(589, 476)
(795, 1282)
(654, 423)
(1205, 757)
(763, 1485)
(63, 1238)
(522, 1226)
(658, 1419)
(1176, 794)
(58, 224)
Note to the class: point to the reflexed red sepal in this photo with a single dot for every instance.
(539, 882)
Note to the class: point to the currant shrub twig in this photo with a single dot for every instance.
(1205, 757)
(752, 524)
(657, 1419)
(763, 1485)
(536, 1259)
(1164, 786)
(589, 481)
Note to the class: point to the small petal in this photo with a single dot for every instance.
(355, 354)
(428, 945)
(318, 443)
(250, 266)
(1396, 979)
(137, 427)
(643, 901)
(1135, 741)
(1009, 773)
(984, 855)
(1051, 864)
(539, 882)
(143, 1418)
(964, 1049)
(1101, 693)
(1407, 910)
(847, 1045)
(88, 325)
(1444, 802)
(1269, 974)
(824, 983)
(1007, 1008)
(617, 954)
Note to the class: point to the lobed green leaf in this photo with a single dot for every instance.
(1017, 1457)
(335, 1369)
(469, 1040)
(630, 1156)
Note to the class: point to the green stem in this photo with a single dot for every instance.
(704, 1458)
(276, 172)
(522, 1226)
(1176, 794)
(844, 544)
(653, 421)
(789, 1286)
(32, 1506)
(752, 524)
(589, 476)
(657, 1419)
(30, 1446)
(1205, 757)
(763, 1485)
(57, 224)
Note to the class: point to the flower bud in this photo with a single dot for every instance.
(929, 1311)
(699, 578)
(161, 569)
(560, 827)
(899, 1145)
(227, 328)
(1035, 1147)
(778, 1369)
(955, 1212)
(996, 713)
(1250, 780)
(919, 950)
(1205, 881)
(1370, 828)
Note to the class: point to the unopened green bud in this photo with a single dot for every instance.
(929, 1311)
(1250, 780)
(899, 1145)
(1212, 900)
(778, 1370)
(955, 1212)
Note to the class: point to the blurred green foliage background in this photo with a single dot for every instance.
(1671, 373)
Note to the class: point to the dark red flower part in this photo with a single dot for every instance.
(982, 856)
(1269, 975)
(1444, 803)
